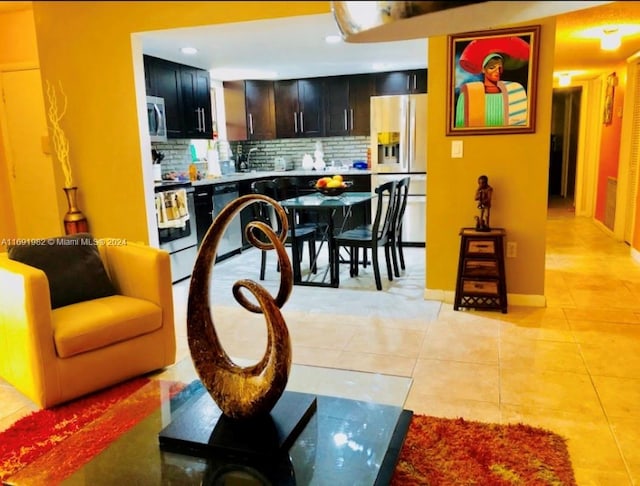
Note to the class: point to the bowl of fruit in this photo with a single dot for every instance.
(331, 186)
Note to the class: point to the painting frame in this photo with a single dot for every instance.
(509, 57)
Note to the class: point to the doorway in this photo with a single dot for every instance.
(563, 152)
(30, 167)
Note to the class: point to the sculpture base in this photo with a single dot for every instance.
(201, 429)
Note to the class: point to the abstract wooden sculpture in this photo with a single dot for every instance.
(252, 391)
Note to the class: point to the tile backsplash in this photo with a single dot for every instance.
(340, 149)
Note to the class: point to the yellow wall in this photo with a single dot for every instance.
(17, 37)
(517, 166)
(87, 46)
(17, 47)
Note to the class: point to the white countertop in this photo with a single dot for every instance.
(243, 176)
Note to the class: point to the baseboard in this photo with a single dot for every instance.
(524, 300)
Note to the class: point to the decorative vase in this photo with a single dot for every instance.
(74, 220)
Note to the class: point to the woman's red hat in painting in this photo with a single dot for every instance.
(513, 50)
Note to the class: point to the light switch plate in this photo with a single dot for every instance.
(456, 149)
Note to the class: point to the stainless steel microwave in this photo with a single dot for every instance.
(157, 118)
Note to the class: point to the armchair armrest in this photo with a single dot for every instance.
(140, 271)
(26, 334)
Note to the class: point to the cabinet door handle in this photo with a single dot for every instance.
(295, 122)
(415, 82)
(250, 123)
(351, 116)
(408, 81)
(204, 121)
(301, 122)
(346, 126)
(197, 119)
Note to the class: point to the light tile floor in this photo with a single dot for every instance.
(572, 367)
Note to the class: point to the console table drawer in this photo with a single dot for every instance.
(485, 287)
(480, 268)
(484, 247)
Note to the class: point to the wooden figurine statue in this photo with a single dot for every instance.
(483, 197)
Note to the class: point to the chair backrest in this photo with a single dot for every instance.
(384, 210)
(402, 192)
(261, 210)
(287, 187)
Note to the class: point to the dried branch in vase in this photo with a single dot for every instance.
(60, 141)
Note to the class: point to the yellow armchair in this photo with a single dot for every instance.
(55, 355)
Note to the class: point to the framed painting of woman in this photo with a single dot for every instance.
(491, 81)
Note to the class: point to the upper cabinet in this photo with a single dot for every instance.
(187, 97)
(234, 110)
(299, 108)
(163, 79)
(196, 102)
(312, 107)
(260, 110)
(401, 82)
(348, 105)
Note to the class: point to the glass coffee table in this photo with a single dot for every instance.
(354, 437)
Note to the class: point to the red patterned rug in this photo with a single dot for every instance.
(49, 445)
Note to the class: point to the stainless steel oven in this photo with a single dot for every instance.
(181, 240)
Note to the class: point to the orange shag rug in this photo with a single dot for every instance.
(49, 445)
(446, 452)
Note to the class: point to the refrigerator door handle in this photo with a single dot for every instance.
(412, 134)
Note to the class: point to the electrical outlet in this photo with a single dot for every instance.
(512, 249)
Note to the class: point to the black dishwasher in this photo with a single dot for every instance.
(209, 201)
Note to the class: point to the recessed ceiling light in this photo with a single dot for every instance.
(380, 66)
(611, 39)
(333, 39)
(189, 50)
(564, 79)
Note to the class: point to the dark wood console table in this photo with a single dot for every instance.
(481, 282)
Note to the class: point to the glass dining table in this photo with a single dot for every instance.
(329, 207)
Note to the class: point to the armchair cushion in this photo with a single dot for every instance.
(72, 265)
(113, 319)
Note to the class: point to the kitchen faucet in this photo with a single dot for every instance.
(251, 150)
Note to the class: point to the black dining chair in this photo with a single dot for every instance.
(264, 212)
(291, 186)
(372, 236)
(395, 229)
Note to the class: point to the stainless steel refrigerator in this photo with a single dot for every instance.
(399, 149)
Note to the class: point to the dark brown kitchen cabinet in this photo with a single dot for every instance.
(260, 110)
(163, 79)
(401, 82)
(299, 108)
(187, 97)
(348, 105)
(196, 101)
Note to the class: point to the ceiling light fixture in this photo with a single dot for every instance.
(611, 39)
(564, 80)
(189, 50)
